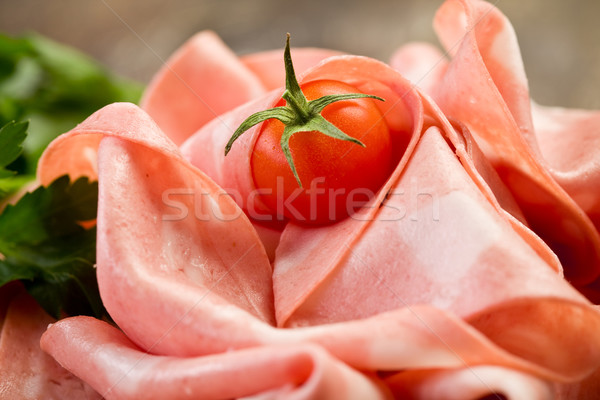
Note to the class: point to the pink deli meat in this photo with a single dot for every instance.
(207, 77)
(207, 305)
(548, 161)
(201, 76)
(440, 285)
(123, 371)
(26, 372)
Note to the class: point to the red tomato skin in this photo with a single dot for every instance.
(337, 176)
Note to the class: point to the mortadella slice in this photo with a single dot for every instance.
(192, 285)
(201, 81)
(26, 372)
(206, 150)
(103, 356)
(443, 280)
(484, 86)
(568, 141)
(314, 265)
(587, 389)
(199, 285)
(421, 63)
(151, 198)
(269, 68)
(411, 339)
(76, 152)
(435, 240)
(425, 65)
(192, 248)
(469, 383)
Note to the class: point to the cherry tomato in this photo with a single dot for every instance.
(337, 176)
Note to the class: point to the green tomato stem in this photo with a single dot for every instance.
(300, 110)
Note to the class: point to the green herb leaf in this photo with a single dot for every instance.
(12, 136)
(43, 244)
(54, 87)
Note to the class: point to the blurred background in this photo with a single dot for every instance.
(560, 40)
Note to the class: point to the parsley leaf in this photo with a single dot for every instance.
(12, 136)
(42, 241)
(43, 244)
(54, 87)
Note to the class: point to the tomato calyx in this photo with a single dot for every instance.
(299, 114)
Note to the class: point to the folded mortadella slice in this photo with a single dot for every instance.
(206, 150)
(269, 67)
(435, 240)
(152, 199)
(434, 236)
(586, 389)
(421, 63)
(199, 82)
(204, 79)
(198, 284)
(484, 86)
(222, 273)
(408, 339)
(183, 274)
(76, 152)
(26, 372)
(469, 383)
(103, 356)
(569, 141)
(403, 112)
(424, 65)
(476, 259)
